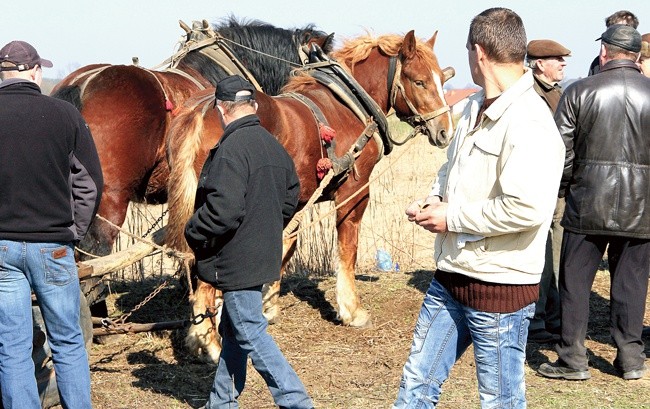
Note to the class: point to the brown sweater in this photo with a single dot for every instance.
(487, 297)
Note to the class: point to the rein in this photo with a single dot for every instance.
(396, 87)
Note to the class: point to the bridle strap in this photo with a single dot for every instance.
(396, 87)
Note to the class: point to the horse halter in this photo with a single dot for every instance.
(395, 86)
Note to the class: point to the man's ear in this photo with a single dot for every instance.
(220, 108)
(255, 105)
(603, 55)
(480, 52)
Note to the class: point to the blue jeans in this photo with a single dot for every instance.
(49, 270)
(243, 333)
(444, 330)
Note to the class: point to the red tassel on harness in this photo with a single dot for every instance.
(327, 134)
(323, 165)
(168, 105)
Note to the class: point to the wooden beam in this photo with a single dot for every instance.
(116, 261)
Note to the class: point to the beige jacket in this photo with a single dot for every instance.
(501, 182)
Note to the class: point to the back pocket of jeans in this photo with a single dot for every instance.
(3, 257)
(59, 265)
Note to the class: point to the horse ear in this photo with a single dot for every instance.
(448, 73)
(328, 44)
(408, 45)
(432, 40)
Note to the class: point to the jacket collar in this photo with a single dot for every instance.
(523, 84)
(614, 64)
(248, 120)
(543, 84)
(13, 81)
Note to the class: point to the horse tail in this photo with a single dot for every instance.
(70, 93)
(183, 145)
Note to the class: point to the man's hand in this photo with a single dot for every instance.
(431, 214)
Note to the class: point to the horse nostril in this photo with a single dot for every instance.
(443, 135)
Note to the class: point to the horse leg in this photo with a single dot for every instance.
(349, 306)
(101, 236)
(203, 338)
(271, 292)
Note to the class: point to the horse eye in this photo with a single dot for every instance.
(419, 83)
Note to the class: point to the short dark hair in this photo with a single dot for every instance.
(619, 52)
(622, 17)
(500, 31)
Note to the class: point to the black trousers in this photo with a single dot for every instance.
(629, 267)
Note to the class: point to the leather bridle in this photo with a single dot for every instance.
(396, 87)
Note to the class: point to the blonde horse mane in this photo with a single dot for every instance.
(183, 179)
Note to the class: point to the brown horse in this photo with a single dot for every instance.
(400, 73)
(129, 108)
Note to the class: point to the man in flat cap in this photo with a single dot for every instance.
(603, 120)
(51, 184)
(248, 189)
(547, 60)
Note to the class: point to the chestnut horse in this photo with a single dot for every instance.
(129, 108)
(396, 72)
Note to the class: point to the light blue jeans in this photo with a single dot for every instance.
(444, 330)
(243, 333)
(49, 270)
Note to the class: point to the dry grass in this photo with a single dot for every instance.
(342, 368)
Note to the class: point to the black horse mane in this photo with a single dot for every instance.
(249, 36)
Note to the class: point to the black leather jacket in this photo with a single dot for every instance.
(604, 121)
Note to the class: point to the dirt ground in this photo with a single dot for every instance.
(340, 366)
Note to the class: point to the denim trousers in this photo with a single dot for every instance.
(444, 330)
(49, 270)
(243, 334)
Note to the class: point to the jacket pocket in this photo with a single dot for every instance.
(206, 267)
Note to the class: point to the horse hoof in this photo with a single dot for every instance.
(272, 314)
(361, 319)
(211, 354)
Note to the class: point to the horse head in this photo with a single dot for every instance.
(416, 91)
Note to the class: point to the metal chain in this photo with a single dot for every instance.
(155, 223)
(87, 293)
(199, 318)
(148, 298)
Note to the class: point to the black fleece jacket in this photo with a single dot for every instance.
(50, 176)
(248, 189)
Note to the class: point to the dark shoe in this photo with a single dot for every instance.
(557, 371)
(542, 337)
(635, 374)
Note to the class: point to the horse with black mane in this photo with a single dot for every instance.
(331, 118)
(129, 108)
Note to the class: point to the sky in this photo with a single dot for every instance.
(74, 33)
